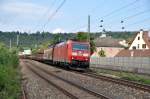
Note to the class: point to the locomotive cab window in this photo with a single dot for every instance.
(80, 47)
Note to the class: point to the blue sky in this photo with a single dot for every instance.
(31, 15)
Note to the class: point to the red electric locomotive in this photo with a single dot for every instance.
(73, 54)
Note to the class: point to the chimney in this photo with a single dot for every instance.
(141, 32)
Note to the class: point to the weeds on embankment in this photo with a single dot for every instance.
(9, 75)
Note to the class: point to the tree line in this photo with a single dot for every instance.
(33, 40)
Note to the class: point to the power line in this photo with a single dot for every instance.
(132, 16)
(139, 13)
(141, 21)
(54, 13)
(47, 11)
(114, 11)
(119, 9)
(85, 25)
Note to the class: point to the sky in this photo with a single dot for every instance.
(39, 15)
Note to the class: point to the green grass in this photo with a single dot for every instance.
(9, 83)
(144, 79)
(10, 86)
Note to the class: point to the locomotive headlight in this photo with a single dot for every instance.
(74, 53)
(85, 54)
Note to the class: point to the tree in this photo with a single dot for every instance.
(101, 53)
(92, 45)
(57, 38)
(83, 36)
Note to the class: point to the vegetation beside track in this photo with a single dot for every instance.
(144, 79)
(9, 76)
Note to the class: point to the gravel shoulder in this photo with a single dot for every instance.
(112, 90)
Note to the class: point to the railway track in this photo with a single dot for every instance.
(24, 95)
(118, 81)
(53, 84)
(23, 91)
(127, 83)
(95, 94)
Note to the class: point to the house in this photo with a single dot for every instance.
(140, 46)
(141, 41)
(109, 45)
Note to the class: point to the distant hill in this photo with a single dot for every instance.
(30, 40)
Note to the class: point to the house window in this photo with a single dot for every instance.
(133, 47)
(143, 45)
(138, 45)
(138, 38)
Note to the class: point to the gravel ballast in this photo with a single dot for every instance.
(37, 88)
(109, 89)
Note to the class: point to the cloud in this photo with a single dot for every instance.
(58, 30)
(23, 9)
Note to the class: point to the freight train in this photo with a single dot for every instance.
(71, 54)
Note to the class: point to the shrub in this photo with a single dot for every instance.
(9, 75)
(101, 53)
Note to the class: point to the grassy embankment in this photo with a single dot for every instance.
(9, 75)
(144, 79)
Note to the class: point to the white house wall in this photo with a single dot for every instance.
(140, 42)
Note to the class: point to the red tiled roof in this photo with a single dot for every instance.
(146, 38)
(136, 53)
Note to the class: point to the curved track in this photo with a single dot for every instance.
(37, 70)
(53, 84)
(127, 83)
(118, 81)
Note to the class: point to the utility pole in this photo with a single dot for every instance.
(17, 40)
(89, 27)
(10, 44)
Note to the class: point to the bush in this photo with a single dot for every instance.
(9, 75)
(8, 57)
(9, 83)
(101, 53)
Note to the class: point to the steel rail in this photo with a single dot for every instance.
(53, 84)
(128, 83)
(73, 84)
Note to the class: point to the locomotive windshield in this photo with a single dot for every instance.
(80, 47)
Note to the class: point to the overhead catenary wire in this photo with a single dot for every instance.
(133, 16)
(122, 21)
(137, 14)
(115, 11)
(137, 22)
(119, 9)
(140, 24)
(54, 13)
(49, 9)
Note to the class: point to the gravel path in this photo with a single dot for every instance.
(37, 88)
(112, 90)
